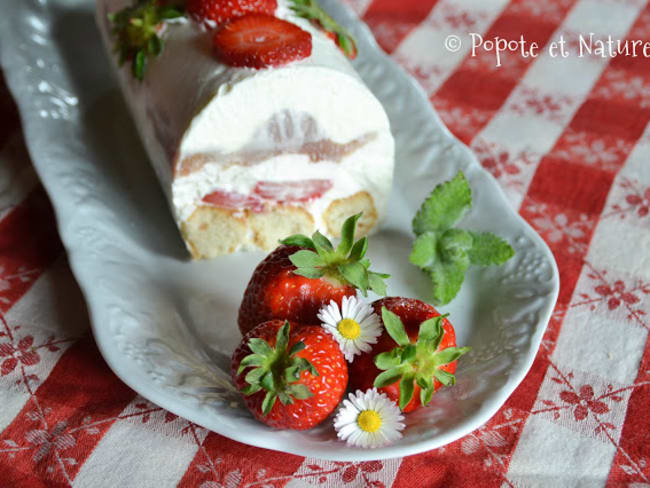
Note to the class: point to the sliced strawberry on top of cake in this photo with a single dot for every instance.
(260, 41)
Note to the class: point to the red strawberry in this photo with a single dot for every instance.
(215, 12)
(300, 365)
(259, 41)
(300, 277)
(417, 353)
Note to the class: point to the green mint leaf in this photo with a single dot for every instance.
(376, 282)
(446, 204)
(444, 256)
(489, 249)
(312, 273)
(388, 377)
(298, 240)
(394, 327)
(447, 277)
(347, 235)
(424, 250)
(456, 240)
(406, 389)
(306, 259)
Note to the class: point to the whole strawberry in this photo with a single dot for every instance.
(212, 13)
(292, 376)
(415, 355)
(300, 277)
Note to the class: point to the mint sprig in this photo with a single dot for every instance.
(136, 30)
(445, 253)
(311, 10)
(345, 264)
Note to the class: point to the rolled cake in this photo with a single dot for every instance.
(248, 156)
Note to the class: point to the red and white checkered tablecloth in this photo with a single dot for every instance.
(569, 141)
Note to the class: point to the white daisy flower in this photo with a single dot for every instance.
(369, 419)
(354, 326)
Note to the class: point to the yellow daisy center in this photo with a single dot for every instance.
(369, 421)
(349, 328)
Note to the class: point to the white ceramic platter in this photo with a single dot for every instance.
(166, 325)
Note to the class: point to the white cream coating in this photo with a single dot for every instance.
(189, 104)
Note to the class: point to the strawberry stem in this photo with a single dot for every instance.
(136, 29)
(276, 370)
(415, 363)
(344, 265)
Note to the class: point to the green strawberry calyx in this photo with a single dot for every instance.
(137, 29)
(311, 10)
(418, 363)
(345, 265)
(276, 370)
